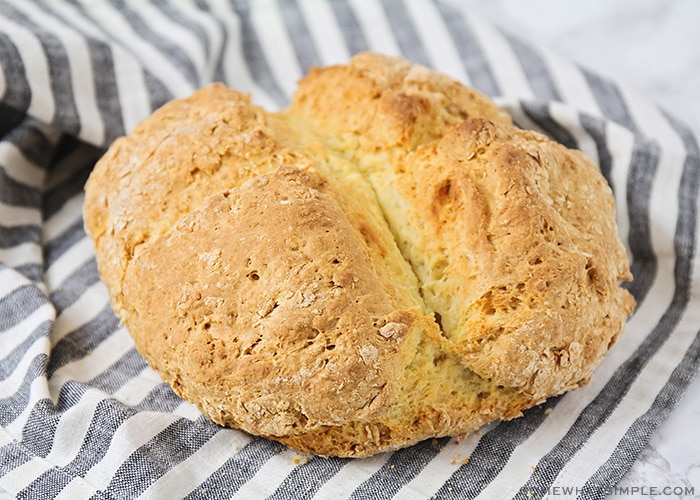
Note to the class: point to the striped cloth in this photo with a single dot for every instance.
(82, 415)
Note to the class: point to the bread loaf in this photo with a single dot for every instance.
(386, 260)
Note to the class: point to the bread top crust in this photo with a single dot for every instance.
(528, 286)
(386, 260)
(272, 303)
(511, 235)
(168, 165)
(378, 104)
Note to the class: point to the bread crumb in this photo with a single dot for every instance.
(212, 259)
(393, 330)
(368, 353)
(307, 299)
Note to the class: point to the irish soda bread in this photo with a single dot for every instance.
(386, 260)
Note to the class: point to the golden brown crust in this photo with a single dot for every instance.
(168, 165)
(378, 103)
(386, 260)
(529, 226)
(272, 270)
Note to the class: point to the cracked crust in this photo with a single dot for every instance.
(386, 260)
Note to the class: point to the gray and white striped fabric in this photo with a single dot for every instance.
(82, 415)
